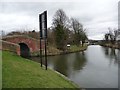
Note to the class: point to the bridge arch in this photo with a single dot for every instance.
(24, 50)
(32, 45)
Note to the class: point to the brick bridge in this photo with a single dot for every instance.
(25, 45)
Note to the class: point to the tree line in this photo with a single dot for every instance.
(66, 31)
(111, 36)
(63, 31)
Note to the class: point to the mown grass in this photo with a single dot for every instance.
(0, 69)
(54, 51)
(18, 72)
(75, 48)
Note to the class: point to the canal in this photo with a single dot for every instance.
(97, 67)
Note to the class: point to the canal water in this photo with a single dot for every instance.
(97, 67)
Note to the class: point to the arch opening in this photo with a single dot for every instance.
(24, 50)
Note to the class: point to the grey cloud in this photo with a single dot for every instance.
(96, 15)
(30, 8)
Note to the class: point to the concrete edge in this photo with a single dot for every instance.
(66, 78)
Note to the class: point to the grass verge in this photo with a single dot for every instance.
(0, 69)
(22, 73)
(52, 51)
(75, 48)
(115, 46)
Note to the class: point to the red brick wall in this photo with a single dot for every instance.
(9, 47)
(33, 44)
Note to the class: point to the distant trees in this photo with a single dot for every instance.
(106, 36)
(62, 32)
(60, 21)
(111, 36)
(50, 37)
(83, 36)
(67, 31)
(2, 34)
(79, 32)
(29, 33)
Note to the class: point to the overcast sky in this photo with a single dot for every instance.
(95, 15)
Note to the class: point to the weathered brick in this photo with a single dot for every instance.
(33, 44)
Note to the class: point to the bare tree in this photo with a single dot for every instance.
(76, 25)
(60, 18)
(60, 22)
(79, 32)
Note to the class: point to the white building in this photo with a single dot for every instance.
(118, 35)
(118, 38)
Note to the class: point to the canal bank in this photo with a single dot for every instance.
(115, 46)
(96, 67)
(53, 51)
(23, 73)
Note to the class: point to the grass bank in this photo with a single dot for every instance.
(22, 73)
(0, 69)
(75, 48)
(51, 50)
(116, 46)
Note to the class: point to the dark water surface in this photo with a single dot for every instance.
(97, 67)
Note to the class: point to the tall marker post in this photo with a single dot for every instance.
(43, 35)
(40, 25)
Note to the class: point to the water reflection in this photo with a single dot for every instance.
(66, 64)
(119, 58)
(112, 54)
(80, 61)
(61, 65)
(97, 67)
(106, 50)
